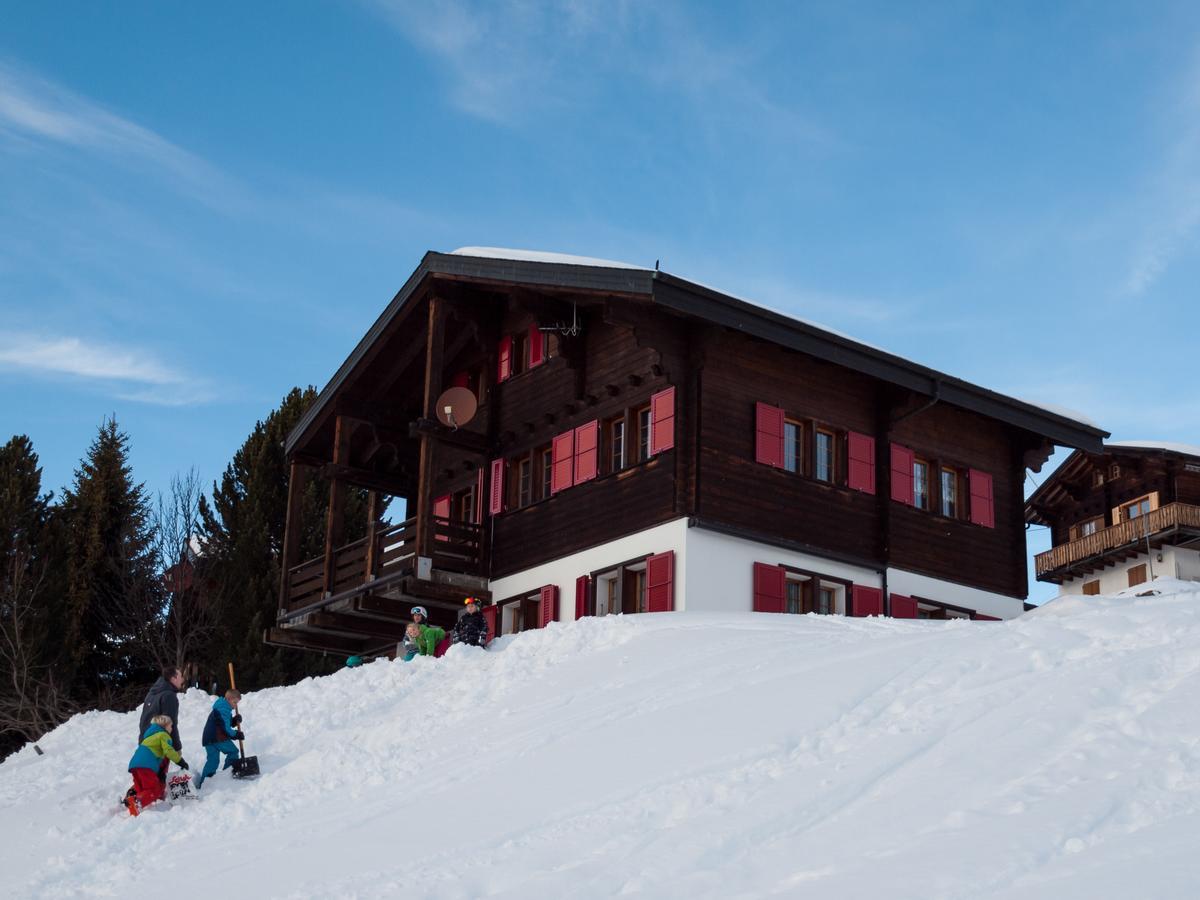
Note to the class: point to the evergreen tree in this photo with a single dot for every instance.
(32, 698)
(110, 572)
(242, 534)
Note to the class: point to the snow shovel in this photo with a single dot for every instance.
(244, 766)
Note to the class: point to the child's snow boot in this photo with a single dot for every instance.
(131, 802)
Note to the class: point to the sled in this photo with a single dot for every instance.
(179, 787)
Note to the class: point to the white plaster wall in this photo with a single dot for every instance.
(909, 583)
(564, 571)
(1184, 564)
(1117, 578)
(720, 569)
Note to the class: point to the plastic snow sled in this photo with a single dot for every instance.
(179, 787)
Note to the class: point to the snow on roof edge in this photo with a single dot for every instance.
(1171, 446)
(543, 256)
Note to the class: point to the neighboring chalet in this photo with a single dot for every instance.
(1120, 517)
(575, 437)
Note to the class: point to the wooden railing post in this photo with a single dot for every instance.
(297, 481)
(335, 519)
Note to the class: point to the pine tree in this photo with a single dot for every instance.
(110, 572)
(32, 698)
(242, 535)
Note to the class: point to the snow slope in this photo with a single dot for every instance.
(675, 755)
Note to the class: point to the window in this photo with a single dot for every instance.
(643, 433)
(793, 446)
(1097, 479)
(825, 461)
(608, 595)
(1139, 507)
(1086, 527)
(545, 470)
(524, 481)
(464, 505)
(920, 484)
(825, 599)
(634, 590)
(520, 353)
(616, 444)
(1091, 588)
(1137, 575)
(949, 485)
(794, 597)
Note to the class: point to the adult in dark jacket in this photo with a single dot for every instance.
(163, 700)
(472, 628)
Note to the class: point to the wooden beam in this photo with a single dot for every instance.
(356, 626)
(310, 640)
(335, 517)
(433, 386)
(372, 559)
(461, 438)
(395, 485)
(297, 481)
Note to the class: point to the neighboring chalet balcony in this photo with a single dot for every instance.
(1172, 523)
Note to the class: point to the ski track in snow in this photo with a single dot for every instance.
(688, 755)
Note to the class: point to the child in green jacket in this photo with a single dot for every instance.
(156, 744)
(421, 640)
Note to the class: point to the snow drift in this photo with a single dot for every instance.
(674, 755)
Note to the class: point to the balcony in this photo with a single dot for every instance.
(1112, 545)
(363, 604)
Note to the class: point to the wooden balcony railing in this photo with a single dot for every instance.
(457, 548)
(1165, 517)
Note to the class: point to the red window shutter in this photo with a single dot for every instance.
(902, 475)
(489, 616)
(537, 346)
(861, 455)
(587, 451)
(662, 421)
(770, 587)
(496, 499)
(768, 435)
(563, 462)
(868, 601)
(982, 507)
(441, 510)
(504, 359)
(903, 607)
(583, 585)
(460, 379)
(660, 582)
(548, 605)
(479, 496)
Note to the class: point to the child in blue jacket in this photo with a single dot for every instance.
(155, 748)
(220, 732)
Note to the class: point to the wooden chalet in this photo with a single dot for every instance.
(1120, 517)
(643, 443)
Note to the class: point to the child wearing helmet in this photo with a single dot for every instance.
(472, 627)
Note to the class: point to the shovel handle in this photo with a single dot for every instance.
(233, 687)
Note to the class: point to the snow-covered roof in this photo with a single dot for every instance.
(1170, 446)
(542, 256)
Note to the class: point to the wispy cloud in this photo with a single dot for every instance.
(34, 109)
(509, 58)
(1172, 215)
(129, 373)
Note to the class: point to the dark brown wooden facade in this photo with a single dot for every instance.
(610, 341)
(1105, 508)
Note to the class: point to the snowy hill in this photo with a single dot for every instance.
(675, 755)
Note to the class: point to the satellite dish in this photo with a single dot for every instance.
(456, 406)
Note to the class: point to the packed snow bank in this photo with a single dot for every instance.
(676, 755)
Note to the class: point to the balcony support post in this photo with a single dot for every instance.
(433, 387)
(297, 482)
(372, 561)
(335, 517)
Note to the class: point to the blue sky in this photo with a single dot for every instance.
(202, 205)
